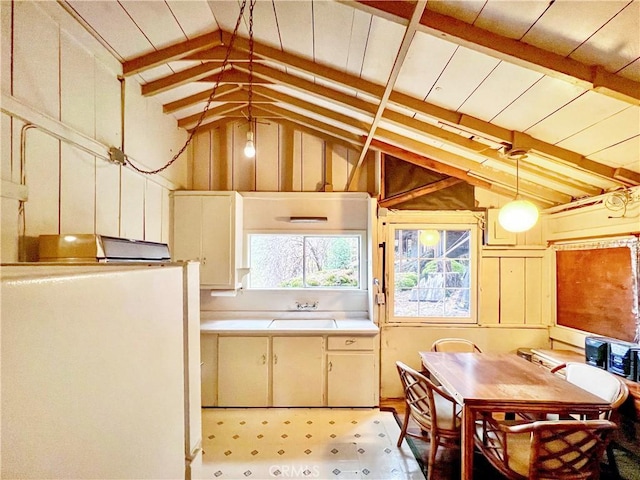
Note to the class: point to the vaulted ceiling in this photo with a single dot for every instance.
(460, 87)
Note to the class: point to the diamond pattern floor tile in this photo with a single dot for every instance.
(301, 443)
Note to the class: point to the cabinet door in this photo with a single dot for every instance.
(351, 380)
(187, 228)
(243, 371)
(218, 252)
(298, 379)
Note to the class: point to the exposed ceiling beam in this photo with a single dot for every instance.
(190, 121)
(497, 178)
(319, 125)
(428, 163)
(393, 76)
(178, 79)
(466, 122)
(514, 51)
(418, 192)
(196, 98)
(330, 115)
(170, 53)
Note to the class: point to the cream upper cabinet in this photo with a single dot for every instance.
(243, 371)
(207, 227)
(298, 371)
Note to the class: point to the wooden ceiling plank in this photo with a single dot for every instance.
(170, 53)
(519, 53)
(393, 76)
(190, 100)
(418, 192)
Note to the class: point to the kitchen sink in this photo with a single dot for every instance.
(303, 323)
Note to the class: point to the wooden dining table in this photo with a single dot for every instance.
(503, 382)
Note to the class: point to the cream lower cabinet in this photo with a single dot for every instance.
(351, 372)
(298, 371)
(243, 371)
(289, 371)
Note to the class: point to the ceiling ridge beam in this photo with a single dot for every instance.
(172, 52)
(520, 53)
(403, 50)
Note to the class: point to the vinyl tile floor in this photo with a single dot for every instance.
(319, 443)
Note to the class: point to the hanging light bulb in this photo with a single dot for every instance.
(518, 215)
(249, 148)
(429, 238)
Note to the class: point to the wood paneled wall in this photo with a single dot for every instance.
(288, 159)
(61, 111)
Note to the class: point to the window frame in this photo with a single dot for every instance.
(474, 264)
(363, 266)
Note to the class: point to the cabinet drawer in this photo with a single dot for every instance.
(350, 343)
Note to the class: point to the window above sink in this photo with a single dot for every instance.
(306, 261)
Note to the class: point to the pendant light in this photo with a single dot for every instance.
(250, 147)
(518, 215)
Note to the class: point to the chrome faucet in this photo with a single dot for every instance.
(307, 306)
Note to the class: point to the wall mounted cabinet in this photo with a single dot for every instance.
(207, 227)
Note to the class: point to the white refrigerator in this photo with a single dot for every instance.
(100, 372)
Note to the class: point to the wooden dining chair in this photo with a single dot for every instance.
(454, 345)
(602, 384)
(549, 449)
(435, 411)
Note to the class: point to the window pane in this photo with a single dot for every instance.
(275, 261)
(431, 273)
(304, 261)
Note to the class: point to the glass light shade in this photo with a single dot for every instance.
(518, 216)
(429, 238)
(249, 148)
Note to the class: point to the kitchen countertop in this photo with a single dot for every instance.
(287, 324)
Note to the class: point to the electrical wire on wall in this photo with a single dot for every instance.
(193, 131)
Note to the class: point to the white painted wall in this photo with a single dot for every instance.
(63, 85)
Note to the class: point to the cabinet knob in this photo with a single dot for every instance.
(264, 359)
(275, 359)
(350, 341)
(330, 366)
